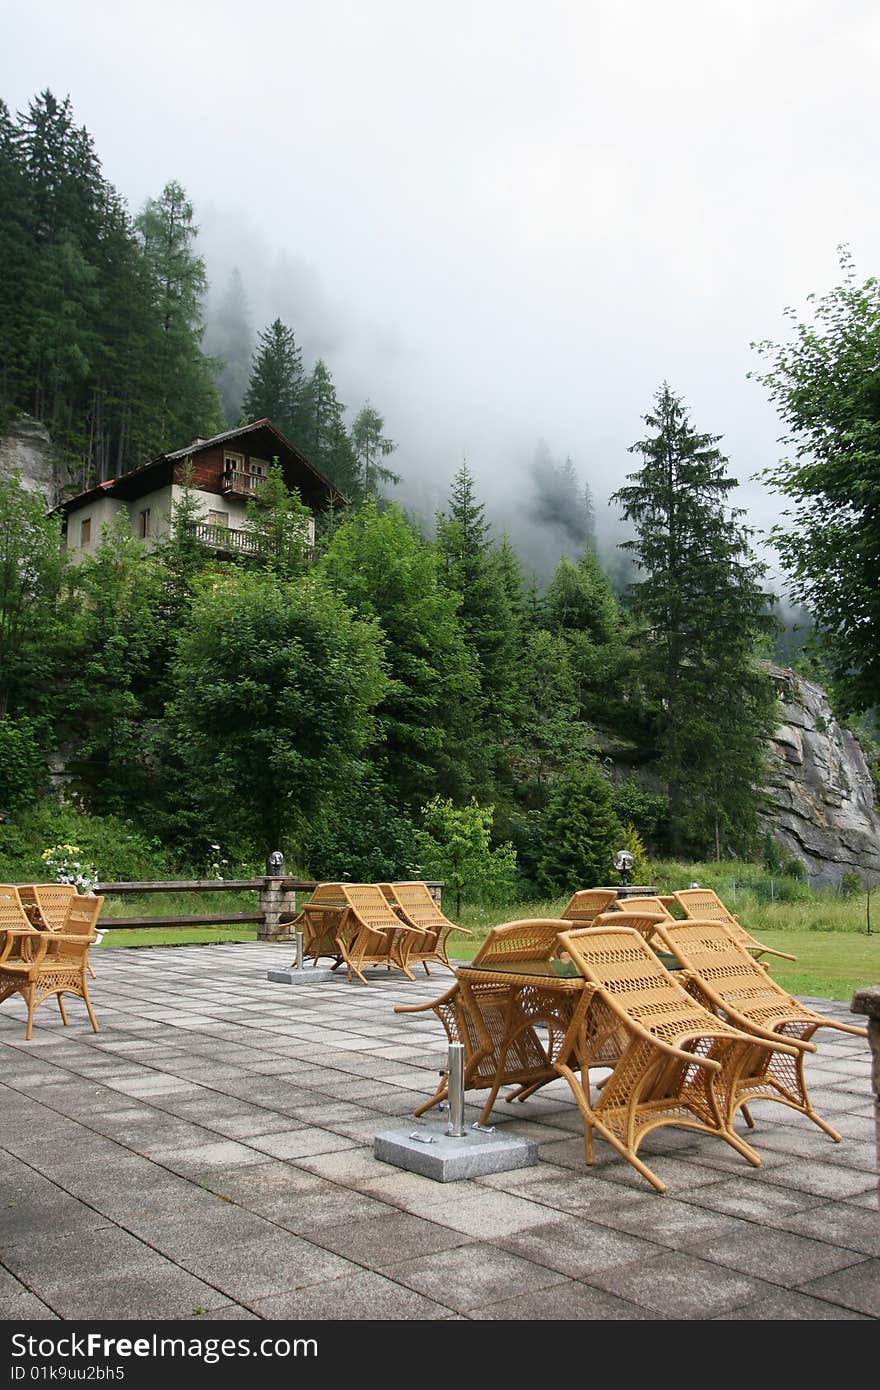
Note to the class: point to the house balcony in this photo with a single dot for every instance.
(235, 483)
(225, 538)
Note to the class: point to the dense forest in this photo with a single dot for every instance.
(405, 697)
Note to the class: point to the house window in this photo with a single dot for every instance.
(233, 463)
(85, 531)
(218, 519)
(144, 523)
(258, 468)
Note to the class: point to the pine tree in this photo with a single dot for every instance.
(702, 611)
(325, 440)
(581, 832)
(491, 619)
(185, 397)
(276, 384)
(370, 446)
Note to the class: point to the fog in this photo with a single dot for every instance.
(503, 224)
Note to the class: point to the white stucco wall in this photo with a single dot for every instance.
(100, 511)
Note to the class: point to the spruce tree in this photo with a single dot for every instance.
(186, 399)
(702, 612)
(276, 384)
(370, 447)
(325, 440)
(581, 832)
(491, 620)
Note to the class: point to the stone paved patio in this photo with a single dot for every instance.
(209, 1155)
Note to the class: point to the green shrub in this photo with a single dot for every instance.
(582, 833)
(23, 771)
(118, 850)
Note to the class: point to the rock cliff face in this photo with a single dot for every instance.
(822, 808)
(27, 449)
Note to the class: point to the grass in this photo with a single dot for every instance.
(828, 934)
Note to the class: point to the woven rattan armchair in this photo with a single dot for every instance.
(46, 905)
(677, 1063)
(705, 905)
(415, 905)
(52, 962)
(16, 927)
(355, 923)
(499, 1050)
(724, 976)
(586, 904)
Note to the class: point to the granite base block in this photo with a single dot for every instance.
(309, 975)
(433, 1153)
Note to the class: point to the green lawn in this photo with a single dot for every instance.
(836, 953)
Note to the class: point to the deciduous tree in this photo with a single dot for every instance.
(825, 384)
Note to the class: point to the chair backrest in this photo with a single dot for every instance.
(12, 913)
(703, 903)
(645, 923)
(83, 911)
(417, 902)
(635, 984)
(642, 905)
(526, 939)
(50, 899)
(371, 905)
(587, 903)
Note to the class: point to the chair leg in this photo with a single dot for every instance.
(61, 1009)
(29, 999)
(88, 1004)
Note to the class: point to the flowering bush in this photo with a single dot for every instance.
(65, 863)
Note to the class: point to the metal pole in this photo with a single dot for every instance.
(455, 1090)
(299, 950)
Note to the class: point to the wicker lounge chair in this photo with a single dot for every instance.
(355, 923)
(705, 905)
(415, 905)
(52, 962)
(677, 1062)
(641, 905)
(586, 904)
(724, 976)
(644, 921)
(501, 1046)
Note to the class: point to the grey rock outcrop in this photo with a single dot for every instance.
(26, 449)
(822, 805)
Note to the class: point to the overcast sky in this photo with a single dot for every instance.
(501, 222)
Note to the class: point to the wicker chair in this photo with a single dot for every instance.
(641, 905)
(46, 904)
(499, 1051)
(705, 905)
(52, 962)
(587, 903)
(677, 1062)
(355, 923)
(724, 976)
(16, 927)
(415, 905)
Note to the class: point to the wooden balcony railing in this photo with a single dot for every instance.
(245, 484)
(225, 538)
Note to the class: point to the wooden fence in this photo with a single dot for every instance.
(276, 904)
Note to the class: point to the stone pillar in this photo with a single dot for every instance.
(278, 905)
(867, 1001)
